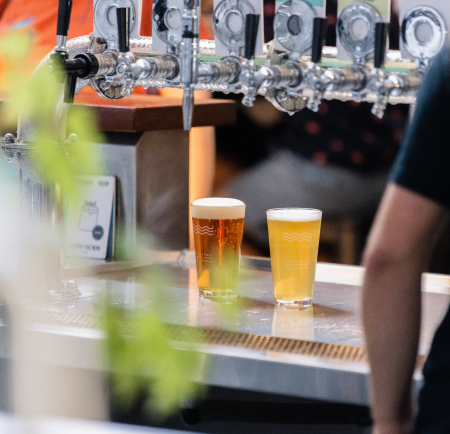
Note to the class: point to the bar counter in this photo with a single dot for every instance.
(253, 345)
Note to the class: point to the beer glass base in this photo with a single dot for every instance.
(301, 304)
(218, 294)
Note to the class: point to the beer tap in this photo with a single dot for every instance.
(125, 56)
(84, 65)
(156, 67)
(274, 78)
(294, 25)
(59, 55)
(229, 31)
(62, 29)
(189, 58)
(248, 68)
(315, 71)
(358, 42)
(379, 83)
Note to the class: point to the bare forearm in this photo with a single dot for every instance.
(391, 317)
(397, 251)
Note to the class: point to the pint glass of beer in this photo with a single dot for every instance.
(218, 229)
(294, 243)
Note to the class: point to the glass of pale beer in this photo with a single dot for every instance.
(294, 243)
(218, 228)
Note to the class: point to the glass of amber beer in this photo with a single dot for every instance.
(294, 243)
(218, 229)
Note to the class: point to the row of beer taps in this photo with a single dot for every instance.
(289, 79)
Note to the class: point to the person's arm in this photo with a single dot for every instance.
(396, 254)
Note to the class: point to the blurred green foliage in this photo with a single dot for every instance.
(145, 357)
(37, 98)
(142, 357)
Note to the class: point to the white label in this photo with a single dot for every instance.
(91, 220)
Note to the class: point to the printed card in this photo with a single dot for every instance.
(90, 221)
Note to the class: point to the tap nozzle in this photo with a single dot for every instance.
(189, 58)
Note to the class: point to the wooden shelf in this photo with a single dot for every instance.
(140, 113)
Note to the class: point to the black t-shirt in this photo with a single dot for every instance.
(423, 163)
(423, 166)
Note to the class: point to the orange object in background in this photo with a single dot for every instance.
(39, 17)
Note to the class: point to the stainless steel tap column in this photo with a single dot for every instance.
(41, 212)
(189, 58)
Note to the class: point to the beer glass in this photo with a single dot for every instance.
(294, 243)
(218, 229)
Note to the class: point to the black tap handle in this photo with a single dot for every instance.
(319, 33)
(123, 29)
(64, 10)
(251, 31)
(381, 31)
(70, 87)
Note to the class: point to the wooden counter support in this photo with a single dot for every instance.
(148, 153)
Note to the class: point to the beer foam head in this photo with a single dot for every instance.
(294, 214)
(218, 208)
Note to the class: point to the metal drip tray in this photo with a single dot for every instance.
(217, 337)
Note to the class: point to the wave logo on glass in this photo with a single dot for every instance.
(203, 230)
(297, 237)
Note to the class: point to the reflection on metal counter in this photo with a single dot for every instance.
(293, 323)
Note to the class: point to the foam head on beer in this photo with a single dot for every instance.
(218, 208)
(294, 214)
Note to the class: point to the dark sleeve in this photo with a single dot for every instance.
(423, 163)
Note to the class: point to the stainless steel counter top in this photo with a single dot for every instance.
(252, 344)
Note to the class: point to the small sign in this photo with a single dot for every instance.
(90, 222)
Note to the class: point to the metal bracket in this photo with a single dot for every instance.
(356, 30)
(293, 25)
(229, 23)
(105, 21)
(423, 33)
(166, 18)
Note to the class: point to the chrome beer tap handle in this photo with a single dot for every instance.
(125, 58)
(377, 80)
(314, 78)
(59, 54)
(62, 27)
(248, 65)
